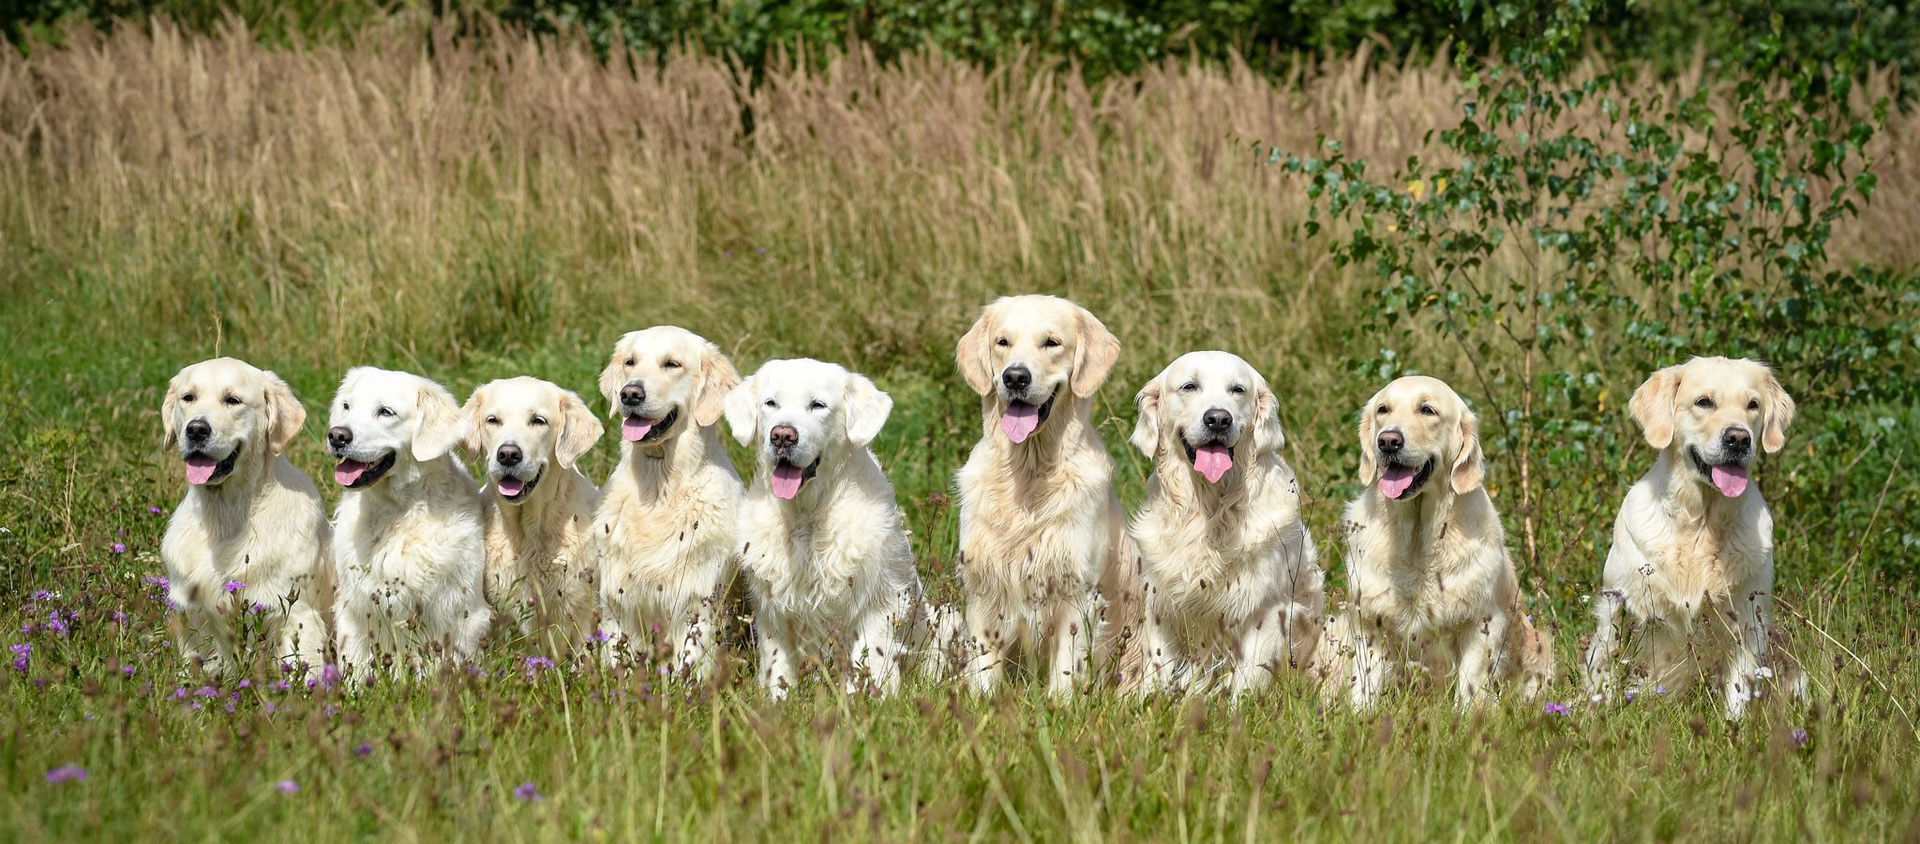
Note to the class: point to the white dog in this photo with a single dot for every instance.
(1230, 569)
(1047, 566)
(823, 548)
(537, 508)
(1427, 564)
(252, 535)
(1692, 556)
(665, 532)
(408, 537)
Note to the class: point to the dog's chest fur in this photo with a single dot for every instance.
(1421, 567)
(1219, 551)
(1697, 549)
(667, 526)
(538, 542)
(1027, 513)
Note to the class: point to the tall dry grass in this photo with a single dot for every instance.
(434, 193)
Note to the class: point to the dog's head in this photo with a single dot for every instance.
(804, 414)
(216, 411)
(1414, 427)
(661, 379)
(1708, 409)
(1025, 351)
(1210, 408)
(380, 418)
(520, 424)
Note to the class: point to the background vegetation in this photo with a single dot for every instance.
(466, 198)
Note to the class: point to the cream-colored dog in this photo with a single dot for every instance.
(537, 508)
(665, 533)
(1692, 556)
(408, 537)
(1230, 569)
(823, 546)
(252, 535)
(1427, 567)
(1047, 568)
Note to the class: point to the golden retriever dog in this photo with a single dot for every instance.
(408, 540)
(1427, 567)
(537, 508)
(665, 533)
(1045, 561)
(252, 537)
(1229, 567)
(1692, 556)
(823, 545)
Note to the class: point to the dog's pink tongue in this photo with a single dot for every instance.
(200, 469)
(509, 487)
(1732, 480)
(349, 471)
(1396, 479)
(786, 480)
(635, 429)
(1212, 460)
(1019, 421)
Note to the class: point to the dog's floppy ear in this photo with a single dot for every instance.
(1146, 421)
(1369, 463)
(1780, 409)
(438, 424)
(867, 410)
(1098, 351)
(1470, 465)
(474, 443)
(579, 429)
(285, 414)
(169, 407)
(1267, 436)
(743, 411)
(610, 383)
(971, 354)
(1652, 406)
(717, 380)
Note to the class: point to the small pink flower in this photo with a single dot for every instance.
(119, 548)
(287, 787)
(67, 773)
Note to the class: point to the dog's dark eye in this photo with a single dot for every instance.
(1703, 402)
(493, 420)
(1189, 387)
(1427, 410)
(537, 420)
(1381, 410)
(343, 406)
(669, 363)
(772, 403)
(1002, 342)
(1237, 390)
(233, 401)
(188, 398)
(1050, 343)
(631, 361)
(817, 405)
(1753, 404)
(385, 411)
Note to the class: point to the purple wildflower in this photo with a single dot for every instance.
(119, 618)
(287, 787)
(257, 608)
(329, 676)
(233, 586)
(128, 670)
(22, 656)
(44, 595)
(55, 624)
(206, 691)
(599, 636)
(155, 510)
(527, 793)
(1799, 738)
(364, 750)
(119, 548)
(538, 663)
(67, 773)
(1558, 709)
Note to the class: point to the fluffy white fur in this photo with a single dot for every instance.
(1691, 562)
(1427, 567)
(537, 508)
(665, 533)
(408, 537)
(1048, 572)
(1229, 567)
(249, 518)
(825, 555)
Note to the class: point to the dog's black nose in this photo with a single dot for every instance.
(508, 455)
(783, 437)
(633, 395)
(198, 431)
(1391, 442)
(1017, 378)
(1217, 420)
(1736, 440)
(339, 436)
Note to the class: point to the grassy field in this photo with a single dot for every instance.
(497, 206)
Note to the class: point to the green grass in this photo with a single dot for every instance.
(522, 210)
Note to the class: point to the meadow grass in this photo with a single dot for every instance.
(480, 207)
